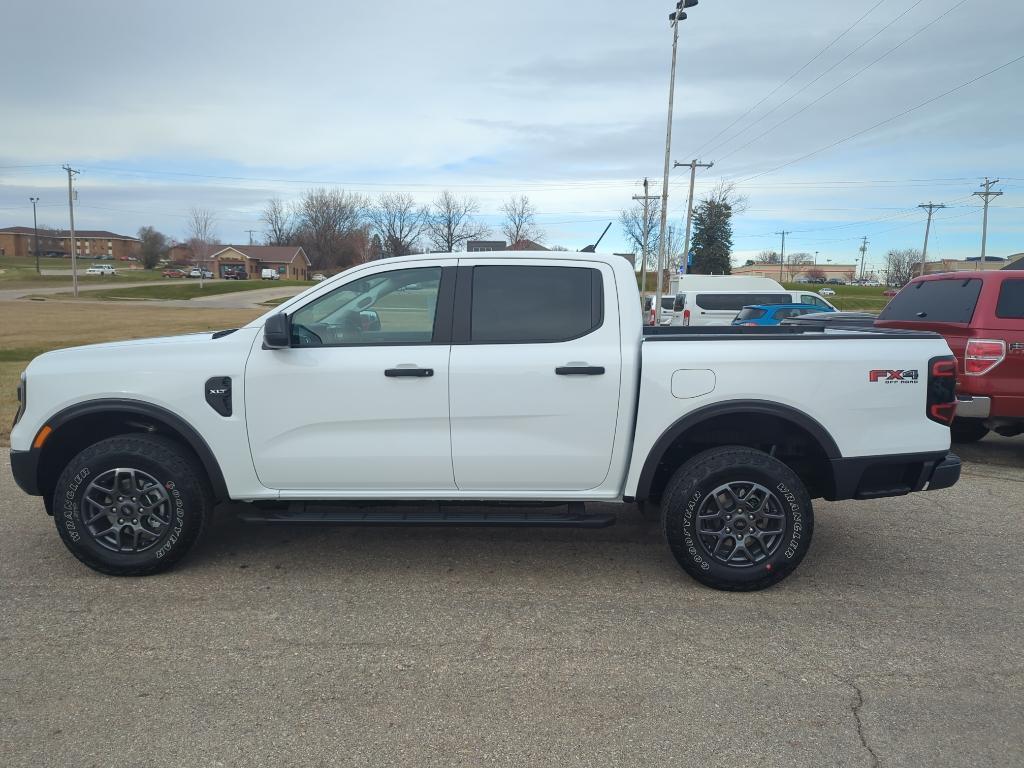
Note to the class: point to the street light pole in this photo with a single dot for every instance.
(675, 17)
(35, 230)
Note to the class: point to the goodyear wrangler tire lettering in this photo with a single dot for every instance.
(132, 505)
(737, 519)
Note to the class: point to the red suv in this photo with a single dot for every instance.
(981, 316)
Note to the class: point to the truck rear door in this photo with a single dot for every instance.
(534, 374)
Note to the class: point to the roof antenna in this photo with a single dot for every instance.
(592, 248)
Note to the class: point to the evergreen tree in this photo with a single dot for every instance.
(712, 232)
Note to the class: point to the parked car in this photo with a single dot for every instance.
(543, 386)
(773, 314)
(269, 274)
(720, 307)
(175, 272)
(981, 317)
(826, 292)
(319, 277)
(836, 281)
(234, 273)
(890, 292)
(203, 273)
(101, 269)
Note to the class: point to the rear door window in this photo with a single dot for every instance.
(935, 301)
(736, 301)
(750, 313)
(531, 304)
(1011, 300)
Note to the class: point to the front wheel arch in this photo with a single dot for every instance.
(83, 424)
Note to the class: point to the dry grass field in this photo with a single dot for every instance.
(29, 328)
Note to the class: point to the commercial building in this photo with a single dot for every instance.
(289, 261)
(19, 242)
(792, 272)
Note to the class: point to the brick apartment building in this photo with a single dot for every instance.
(19, 242)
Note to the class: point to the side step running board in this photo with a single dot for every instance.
(309, 513)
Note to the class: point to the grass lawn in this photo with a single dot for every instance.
(180, 289)
(21, 273)
(29, 328)
(854, 298)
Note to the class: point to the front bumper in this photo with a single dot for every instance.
(24, 467)
(970, 407)
(873, 477)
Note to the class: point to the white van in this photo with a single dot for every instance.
(720, 307)
(667, 303)
(269, 274)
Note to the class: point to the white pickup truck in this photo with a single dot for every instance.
(523, 384)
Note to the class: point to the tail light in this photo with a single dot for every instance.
(941, 405)
(982, 355)
(686, 317)
(748, 323)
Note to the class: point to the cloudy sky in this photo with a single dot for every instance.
(224, 104)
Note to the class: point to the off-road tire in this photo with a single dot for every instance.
(968, 430)
(182, 481)
(688, 493)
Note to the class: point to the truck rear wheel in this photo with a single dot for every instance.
(132, 505)
(737, 519)
(967, 430)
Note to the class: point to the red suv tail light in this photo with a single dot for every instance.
(941, 402)
(982, 355)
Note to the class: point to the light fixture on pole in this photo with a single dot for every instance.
(35, 230)
(675, 17)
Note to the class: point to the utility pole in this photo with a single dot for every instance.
(250, 231)
(693, 166)
(984, 221)
(35, 229)
(675, 17)
(863, 253)
(782, 256)
(645, 198)
(931, 207)
(71, 211)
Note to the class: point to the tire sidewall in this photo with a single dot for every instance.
(184, 492)
(681, 511)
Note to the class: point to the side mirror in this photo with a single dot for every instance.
(277, 332)
(369, 320)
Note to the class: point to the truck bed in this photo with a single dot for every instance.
(785, 332)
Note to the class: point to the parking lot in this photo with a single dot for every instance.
(897, 642)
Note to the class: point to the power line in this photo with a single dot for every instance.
(788, 79)
(844, 82)
(880, 123)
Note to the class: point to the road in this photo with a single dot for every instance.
(11, 294)
(897, 642)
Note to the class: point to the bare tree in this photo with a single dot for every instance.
(902, 264)
(327, 225)
(816, 273)
(153, 246)
(202, 236)
(797, 263)
(399, 221)
(637, 231)
(451, 223)
(520, 223)
(675, 241)
(767, 257)
(281, 221)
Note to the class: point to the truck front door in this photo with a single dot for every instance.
(360, 399)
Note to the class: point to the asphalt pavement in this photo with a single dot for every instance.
(897, 642)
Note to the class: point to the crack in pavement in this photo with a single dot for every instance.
(875, 763)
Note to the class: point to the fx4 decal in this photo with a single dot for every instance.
(891, 377)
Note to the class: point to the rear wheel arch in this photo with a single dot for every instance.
(796, 439)
(84, 424)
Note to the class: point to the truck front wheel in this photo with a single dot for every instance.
(132, 505)
(737, 519)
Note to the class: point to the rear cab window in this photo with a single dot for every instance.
(532, 304)
(935, 301)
